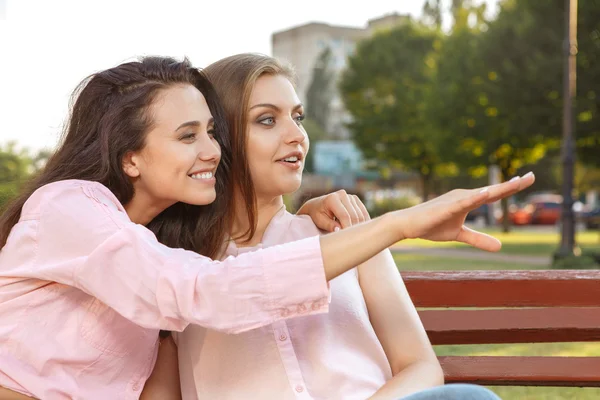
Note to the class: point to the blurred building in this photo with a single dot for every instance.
(302, 45)
(338, 162)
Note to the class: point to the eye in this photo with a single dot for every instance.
(269, 121)
(299, 118)
(212, 133)
(188, 137)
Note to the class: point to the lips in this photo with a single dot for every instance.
(292, 157)
(202, 175)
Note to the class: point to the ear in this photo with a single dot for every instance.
(130, 164)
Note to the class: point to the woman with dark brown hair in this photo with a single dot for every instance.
(371, 343)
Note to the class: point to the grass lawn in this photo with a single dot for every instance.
(419, 262)
(523, 242)
(518, 242)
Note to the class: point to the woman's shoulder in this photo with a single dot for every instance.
(300, 226)
(70, 196)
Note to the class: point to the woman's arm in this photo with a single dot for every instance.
(90, 246)
(395, 320)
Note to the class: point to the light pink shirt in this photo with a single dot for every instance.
(84, 291)
(332, 356)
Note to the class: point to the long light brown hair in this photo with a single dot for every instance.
(234, 78)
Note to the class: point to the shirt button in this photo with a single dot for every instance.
(282, 337)
(284, 312)
(299, 389)
(301, 308)
(316, 306)
(136, 387)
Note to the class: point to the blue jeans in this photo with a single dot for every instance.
(456, 391)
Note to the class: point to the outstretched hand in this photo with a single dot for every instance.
(442, 219)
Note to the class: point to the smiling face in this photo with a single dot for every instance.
(277, 143)
(180, 155)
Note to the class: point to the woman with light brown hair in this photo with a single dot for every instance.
(371, 343)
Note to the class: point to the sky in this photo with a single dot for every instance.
(48, 46)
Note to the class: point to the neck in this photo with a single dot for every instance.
(266, 209)
(141, 210)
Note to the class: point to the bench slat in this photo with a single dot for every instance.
(551, 288)
(541, 325)
(523, 371)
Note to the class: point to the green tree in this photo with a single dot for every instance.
(499, 89)
(315, 134)
(320, 91)
(15, 168)
(432, 13)
(587, 130)
(386, 88)
(15, 164)
(39, 160)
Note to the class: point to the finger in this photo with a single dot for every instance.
(326, 222)
(345, 198)
(356, 208)
(469, 201)
(338, 210)
(509, 188)
(478, 239)
(365, 213)
(516, 185)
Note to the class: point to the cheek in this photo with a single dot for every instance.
(176, 160)
(259, 167)
(260, 151)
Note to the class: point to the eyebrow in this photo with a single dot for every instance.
(195, 124)
(273, 106)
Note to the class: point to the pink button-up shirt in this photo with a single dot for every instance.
(332, 356)
(84, 291)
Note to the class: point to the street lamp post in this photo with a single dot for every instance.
(567, 244)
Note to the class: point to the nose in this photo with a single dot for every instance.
(209, 149)
(295, 134)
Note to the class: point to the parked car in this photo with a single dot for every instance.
(479, 214)
(521, 215)
(591, 219)
(546, 212)
(541, 209)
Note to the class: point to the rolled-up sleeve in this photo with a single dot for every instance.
(86, 240)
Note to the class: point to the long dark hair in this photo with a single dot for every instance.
(234, 78)
(109, 117)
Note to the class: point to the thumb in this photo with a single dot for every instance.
(478, 239)
(326, 223)
(334, 226)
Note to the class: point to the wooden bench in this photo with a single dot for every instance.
(524, 307)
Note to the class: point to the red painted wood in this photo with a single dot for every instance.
(504, 288)
(539, 325)
(523, 371)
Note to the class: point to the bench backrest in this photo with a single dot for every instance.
(522, 307)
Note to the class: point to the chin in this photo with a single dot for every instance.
(202, 199)
(290, 187)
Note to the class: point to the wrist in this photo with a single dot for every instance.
(394, 223)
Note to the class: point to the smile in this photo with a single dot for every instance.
(202, 176)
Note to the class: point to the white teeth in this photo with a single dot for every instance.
(291, 159)
(203, 175)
